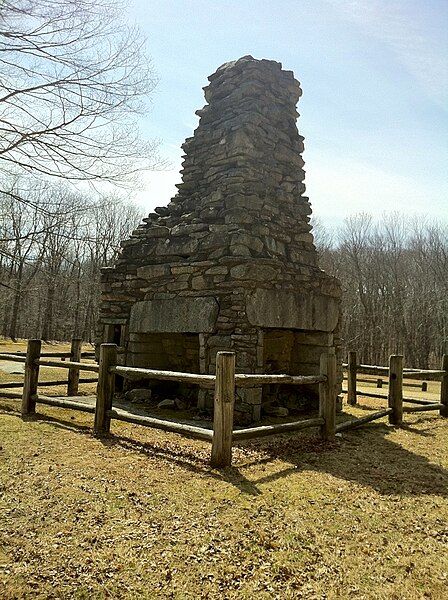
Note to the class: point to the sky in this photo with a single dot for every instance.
(374, 109)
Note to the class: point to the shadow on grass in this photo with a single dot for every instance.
(186, 459)
(366, 456)
(70, 425)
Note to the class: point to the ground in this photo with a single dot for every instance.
(142, 515)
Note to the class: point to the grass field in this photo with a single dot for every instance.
(141, 514)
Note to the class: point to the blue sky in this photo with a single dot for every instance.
(374, 76)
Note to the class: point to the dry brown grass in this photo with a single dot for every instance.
(141, 515)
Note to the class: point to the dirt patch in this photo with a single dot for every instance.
(12, 368)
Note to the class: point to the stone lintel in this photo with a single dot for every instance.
(292, 310)
(174, 315)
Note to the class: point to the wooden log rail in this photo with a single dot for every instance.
(12, 357)
(363, 420)
(380, 382)
(51, 354)
(420, 408)
(425, 374)
(396, 375)
(63, 403)
(265, 430)
(19, 384)
(68, 364)
(137, 373)
(172, 426)
(384, 397)
(208, 381)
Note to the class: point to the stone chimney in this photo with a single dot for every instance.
(230, 263)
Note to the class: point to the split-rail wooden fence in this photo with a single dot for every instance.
(397, 375)
(224, 383)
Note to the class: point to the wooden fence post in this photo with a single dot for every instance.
(327, 395)
(105, 389)
(73, 374)
(224, 402)
(31, 377)
(444, 387)
(351, 377)
(395, 394)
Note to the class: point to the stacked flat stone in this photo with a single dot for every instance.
(240, 220)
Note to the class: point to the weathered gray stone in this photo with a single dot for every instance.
(153, 271)
(178, 246)
(292, 310)
(253, 271)
(167, 403)
(244, 239)
(193, 315)
(276, 411)
(138, 395)
(199, 283)
(180, 404)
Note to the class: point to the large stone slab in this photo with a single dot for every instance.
(175, 315)
(292, 310)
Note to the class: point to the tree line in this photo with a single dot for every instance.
(394, 276)
(51, 251)
(393, 271)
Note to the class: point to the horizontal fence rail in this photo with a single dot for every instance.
(256, 380)
(379, 383)
(68, 364)
(183, 428)
(265, 430)
(19, 384)
(140, 373)
(63, 403)
(422, 374)
(12, 357)
(384, 397)
(434, 406)
(363, 420)
(53, 354)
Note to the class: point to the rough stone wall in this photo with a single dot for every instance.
(232, 254)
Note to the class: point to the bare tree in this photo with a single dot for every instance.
(73, 78)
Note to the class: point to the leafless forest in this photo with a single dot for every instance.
(394, 272)
(394, 275)
(74, 81)
(50, 260)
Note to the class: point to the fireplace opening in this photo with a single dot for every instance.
(166, 352)
(293, 352)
